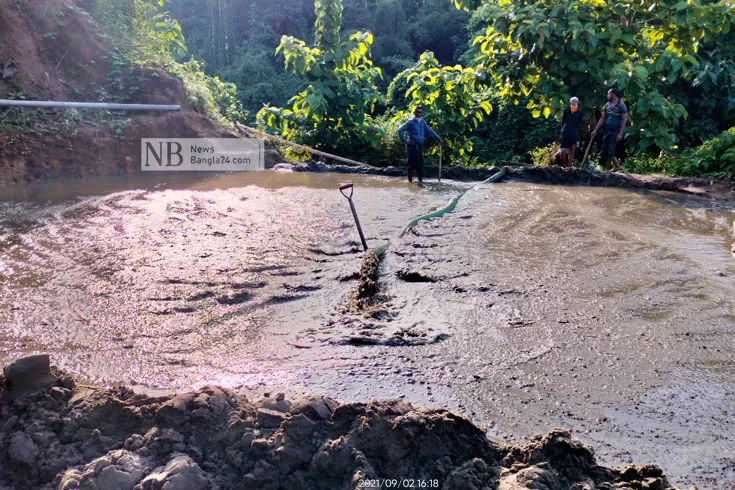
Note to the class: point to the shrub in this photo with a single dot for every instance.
(648, 164)
(544, 156)
(145, 35)
(715, 158)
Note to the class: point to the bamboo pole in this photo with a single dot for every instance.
(302, 147)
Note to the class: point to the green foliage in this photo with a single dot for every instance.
(140, 29)
(510, 132)
(390, 151)
(551, 50)
(236, 39)
(392, 49)
(143, 34)
(65, 122)
(209, 95)
(397, 98)
(507, 133)
(259, 81)
(168, 31)
(450, 98)
(544, 156)
(715, 158)
(328, 23)
(341, 89)
(663, 163)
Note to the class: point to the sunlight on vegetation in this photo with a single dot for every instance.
(492, 75)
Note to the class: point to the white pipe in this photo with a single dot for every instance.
(90, 105)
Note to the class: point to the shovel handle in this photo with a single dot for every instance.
(344, 187)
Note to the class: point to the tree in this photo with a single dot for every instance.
(553, 49)
(449, 96)
(341, 88)
(328, 22)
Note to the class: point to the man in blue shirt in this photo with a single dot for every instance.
(416, 129)
(614, 116)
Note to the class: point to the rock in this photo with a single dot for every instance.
(538, 477)
(279, 406)
(30, 374)
(163, 441)
(315, 408)
(259, 444)
(300, 427)
(119, 469)
(284, 167)
(7, 69)
(473, 475)
(60, 393)
(270, 419)
(201, 401)
(68, 382)
(22, 449)
(8, 425)
(646, 477)
(173, 411)
(180, 473)
(48, 443)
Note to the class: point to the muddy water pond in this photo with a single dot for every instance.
(529, 307)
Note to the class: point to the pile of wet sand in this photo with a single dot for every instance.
(57, 434)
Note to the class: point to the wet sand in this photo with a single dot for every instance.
(607, 311)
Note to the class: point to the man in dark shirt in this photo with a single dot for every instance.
(614, 115)
(416, 128)
(570, 123)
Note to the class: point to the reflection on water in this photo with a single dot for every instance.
(61, 190)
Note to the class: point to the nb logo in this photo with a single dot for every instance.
(171, 152)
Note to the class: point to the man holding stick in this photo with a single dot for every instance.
(614, 116)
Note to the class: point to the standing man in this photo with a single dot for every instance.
(416, 129)
(570, 122)
(614, 115)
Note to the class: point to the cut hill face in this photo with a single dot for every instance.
(56, 50)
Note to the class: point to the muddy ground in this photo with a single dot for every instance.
(613, 314)
(530, 307)
(718, 189)
(70, 436)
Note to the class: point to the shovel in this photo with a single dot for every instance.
(343, 188)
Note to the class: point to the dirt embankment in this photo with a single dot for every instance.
(62, 53)
(56, 434)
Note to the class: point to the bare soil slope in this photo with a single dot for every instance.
(62, 53)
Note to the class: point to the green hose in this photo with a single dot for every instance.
(441, 212)
(451, 205)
